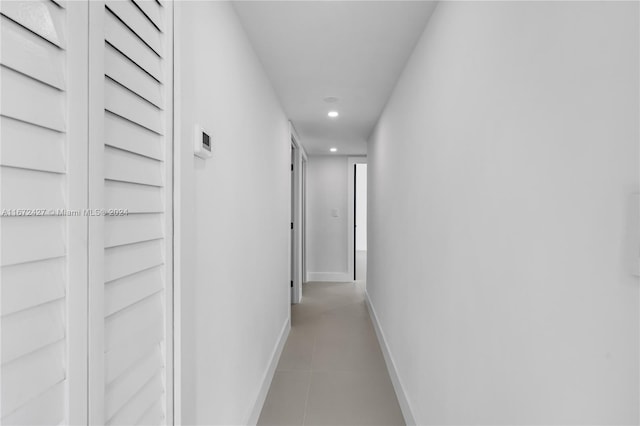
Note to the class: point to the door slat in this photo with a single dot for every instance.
(121, 38)
(127, 387)
(131, 289)
(127, 104)
(30, 189)
(29, 54)
(133, 197)
(119, 68)
(126, 260)
(29, 376)
(28, 239)
(18, 92)
(41, 17)
(32, 284)
(120, 359)
(32, 329)
(137, 21)
(129, 167)
(126, 135)
(31, 147)
(44, 410)
(152, 11)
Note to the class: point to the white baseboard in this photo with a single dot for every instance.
(328, 276)
(405, 405)
(254, 415)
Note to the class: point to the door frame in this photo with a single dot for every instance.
(351, 196)
(303, 221)
(299, 194)
(177, 235)
(77, 227)
(169, 223)
(95, 242)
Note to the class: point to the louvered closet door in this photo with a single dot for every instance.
(43, 125)
(130, 176)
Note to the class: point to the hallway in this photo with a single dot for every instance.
(332, 371)
(173, 172)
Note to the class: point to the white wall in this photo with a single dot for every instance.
(326, 234)
(361, 207)
(499, 246)
(233, 218)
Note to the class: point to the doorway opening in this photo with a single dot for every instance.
(360, 222)
(357, 219)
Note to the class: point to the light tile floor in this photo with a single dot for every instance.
(331, 371)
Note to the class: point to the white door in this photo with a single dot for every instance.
(85, 312)
(43, 183)
(130, 257)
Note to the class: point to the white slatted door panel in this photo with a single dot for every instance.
(134, 151)
(35, 59)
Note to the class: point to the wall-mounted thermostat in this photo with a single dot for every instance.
(203, 142)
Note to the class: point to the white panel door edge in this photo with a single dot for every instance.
(77, 226)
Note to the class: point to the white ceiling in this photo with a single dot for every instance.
(352, 50)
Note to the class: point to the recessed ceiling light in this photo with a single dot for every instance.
(331, 99)
(333, 114)
(333, 149)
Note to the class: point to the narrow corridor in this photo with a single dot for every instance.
(332, 371)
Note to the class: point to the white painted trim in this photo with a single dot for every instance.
(256, 409)
(303, 221)
(360, 280)
(295, 134)
(298, 229)
(177, 221)
(95, 252)
(403, 400)
(77, 226)
(328, 276)
(169, 347)
(300, 219)
(351, 184)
